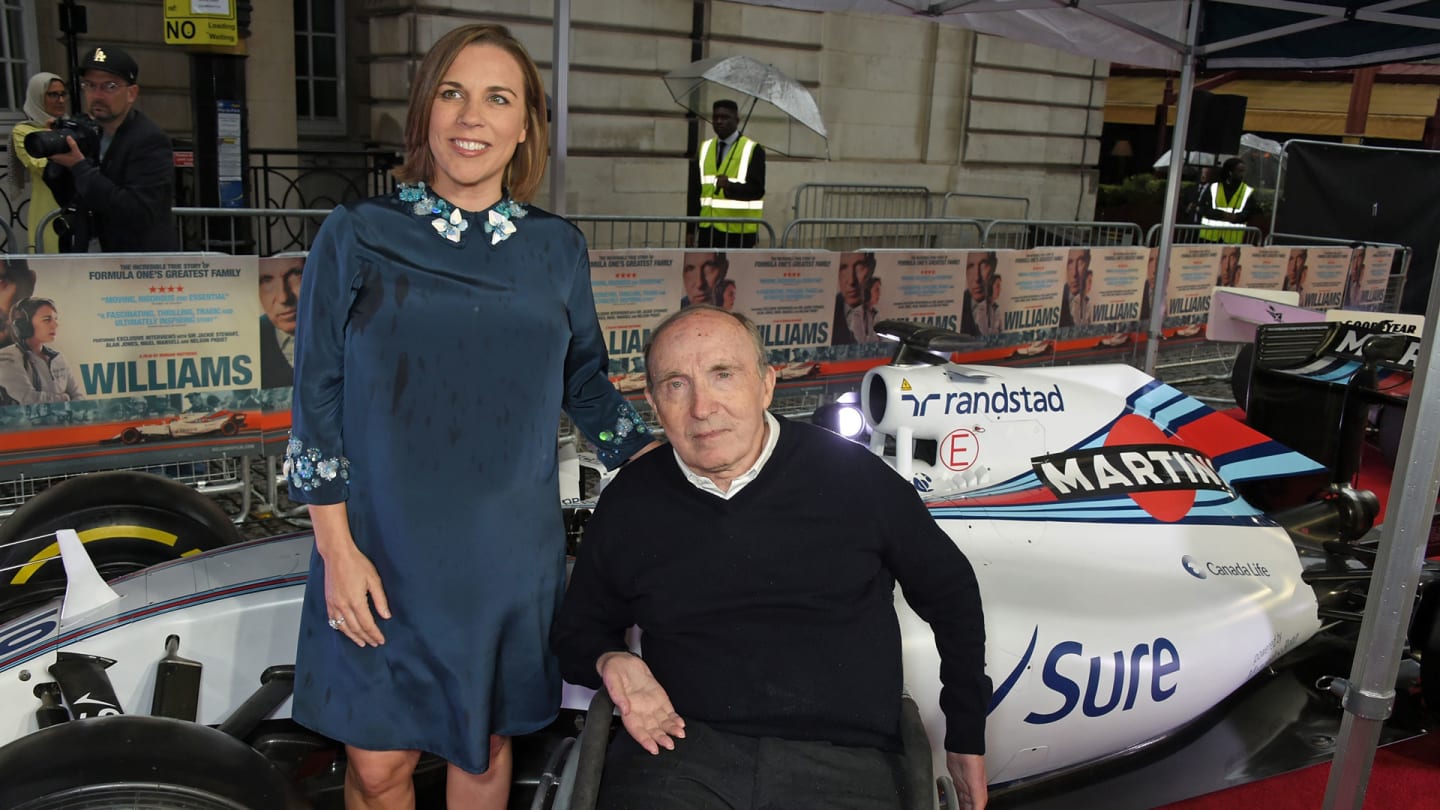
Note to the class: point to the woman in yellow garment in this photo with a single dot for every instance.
(45, 100)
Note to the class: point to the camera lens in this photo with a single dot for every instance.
(43, 144)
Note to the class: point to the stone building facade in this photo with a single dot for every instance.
(906, 101)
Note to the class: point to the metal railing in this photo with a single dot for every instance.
(1023, 234)
(607, 232)
(318, 178)
(852, 201)
(242, 231)
(954, 204)
(1189, 234)
(855, 233)
(209, 477)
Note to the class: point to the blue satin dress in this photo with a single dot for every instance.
(431, 365)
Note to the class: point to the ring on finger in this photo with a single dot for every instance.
(337, 622)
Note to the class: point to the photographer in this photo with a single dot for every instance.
(45, 101)
(117, 184)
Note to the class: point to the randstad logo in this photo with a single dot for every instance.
(1192, 567)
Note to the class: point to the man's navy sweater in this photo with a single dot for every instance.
(772, 613)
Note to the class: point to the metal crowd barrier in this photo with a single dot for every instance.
(1023, 234)
(1403, 253)
(1189, 234)
(613, 232)
(832, 200)
(960, 197)
(214, 476)
(241, 231)
(855, 233)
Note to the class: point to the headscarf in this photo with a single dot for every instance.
(17, 175)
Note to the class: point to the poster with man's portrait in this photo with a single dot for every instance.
(1114, 288)
(1193, 270)
(634, 290)
(1028, 288)
(1262, 268)
(919, 287)
(1368, 278)
(1324, 286)
(790, 296)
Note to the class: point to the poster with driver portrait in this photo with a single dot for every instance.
(1262, 268)
(127, 354)
(922, 288)
(1115, 286)
(634, 290)
(1325, 281)
(1193, 270)
(789, 295)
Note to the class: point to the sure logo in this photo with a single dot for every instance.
(1117, 680)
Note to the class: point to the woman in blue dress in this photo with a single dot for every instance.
(441, 330)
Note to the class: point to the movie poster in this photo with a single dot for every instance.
(634, 290)
(1324, 279)
(1262, 268)
(1368, 278)
(1193, 270)
(1112, 286)
(141, 352)
(1029, 286)
(919, 287)
(790, 296)
(279, 296)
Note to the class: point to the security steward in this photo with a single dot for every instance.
(1226, 205)
(727, 180)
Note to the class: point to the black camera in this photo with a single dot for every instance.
(85, 131)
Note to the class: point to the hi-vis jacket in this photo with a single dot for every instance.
(712, 200)
(1234, 205)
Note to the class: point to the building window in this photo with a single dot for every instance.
(17, 43)
(319, 54)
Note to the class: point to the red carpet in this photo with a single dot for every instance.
(1406, 776)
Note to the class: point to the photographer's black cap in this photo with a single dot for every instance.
(110, 60)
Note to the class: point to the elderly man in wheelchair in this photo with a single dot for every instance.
(759, 560)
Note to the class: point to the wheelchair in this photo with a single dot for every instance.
(571, 778)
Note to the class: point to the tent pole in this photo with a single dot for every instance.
(560, 114)
(1370, 694)
(1172, 188)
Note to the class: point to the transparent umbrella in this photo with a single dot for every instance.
(774, 103)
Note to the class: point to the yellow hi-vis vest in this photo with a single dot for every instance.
(1233, 232)
(712, 200)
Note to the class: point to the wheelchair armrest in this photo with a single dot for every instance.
(594, 739)
(918, 778)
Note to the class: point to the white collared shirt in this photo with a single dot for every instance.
(772, 429)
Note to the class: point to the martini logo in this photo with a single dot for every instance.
(1137, 459)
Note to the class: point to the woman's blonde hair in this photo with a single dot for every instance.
(527, 167)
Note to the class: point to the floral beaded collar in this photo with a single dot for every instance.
(450, 222)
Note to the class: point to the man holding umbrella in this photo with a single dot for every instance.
(727, 180)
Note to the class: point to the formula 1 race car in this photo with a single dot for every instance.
(223, 422)
(1129, 585)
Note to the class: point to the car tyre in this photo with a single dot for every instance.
(229, 428)
(130, 435)
(144, 763)
(128, 520)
